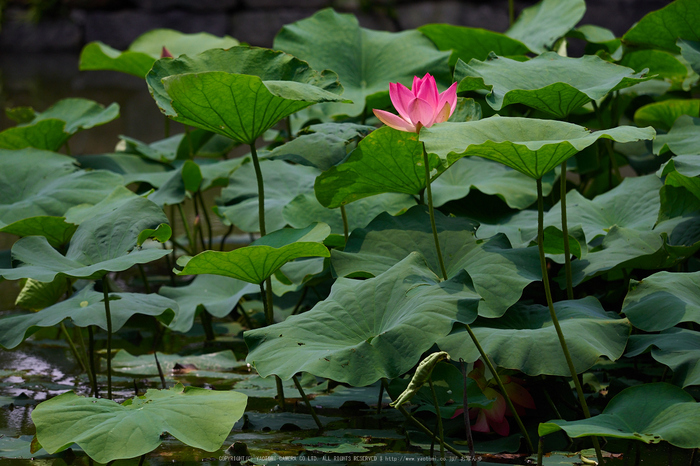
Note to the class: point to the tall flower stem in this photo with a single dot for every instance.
(484, 356)
(439, 421)
(565, 232)
(265, 291)
(429, 193)
(108, 314)
(346, 228)
(553, 314)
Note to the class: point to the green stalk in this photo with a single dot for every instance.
(439, 421)
(206, 218)
(222, 243)
(540, 451)
(146, 285)
(420, 425)
(432, 213)
(198, 224)
(73, 349)
(465, 404)
(307, 402)
(83, 347)
(105, 292)
(511, 12)
(492, 368)
(261, 189)
(91, 360)
(346, 229)
(553, 314)
(190, 239)
(565, 231)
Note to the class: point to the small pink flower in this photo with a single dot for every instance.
(420, 106)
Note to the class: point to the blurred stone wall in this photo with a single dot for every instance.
(69, 24)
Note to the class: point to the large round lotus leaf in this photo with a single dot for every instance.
(182, 182)
(217, 294)
(305, 209)
(106, 430)
(541, 25)
(531, 146)
(322, 145)
(677, 348)
(661, 29)
(692, 184)
(36, 183)
(147, 48)
(683, 139)
(366, 61)
(104, 242)
(663, 300)
(690, 51)
(634, 204)
(386, 161)
(238, 202)
(622, 248)
(366, 329)
(661, 65)
(664, 114)
(525, 338)
(517, 190)
(649, 413)
(52, 128)
(255, 263)
(499, 273)
(467, 43)
(133, 168)
(549, 82)
(86, 308)
(240, 92)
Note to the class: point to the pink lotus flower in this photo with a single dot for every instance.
(420, 106)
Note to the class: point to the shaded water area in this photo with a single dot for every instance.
(356, 430)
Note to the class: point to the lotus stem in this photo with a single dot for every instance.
(511, 12)
(198, 224)
(346, 229)
(160, 370)
(146, 285)
(261, 188)
(190, 239)
(205, 318)
(223, 238)
(432, 214)
(553, 314)
(379, 400)
(540, 451)
(439, 421)
(83, 347)
(465, 403)
(493, 371)
(73, 349)
(307, 402)
(245, 315)
(91, 360)
(419, 424)
(205, 212)
(280, 393)
(565, 231)
(108, 314)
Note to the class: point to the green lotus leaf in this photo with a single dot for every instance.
(145, 365)
(161, 234)
(622, 248)
(133, 168)
(664, 114)
(255, 263)
(686, 165)
(649, 413)
(187, 179)
(531, 146)
(549, 82)
(520, 228)
(692, 184)
(52, 128)
(217, 294)
(596, 35)
(524, 338)
(20, 115)
(86, 308)
(661, 29)
(292, 276)
(51, 184)
(305, 209)
(266, 387)
(554, 242)
(634, 204)
(679, 222)
(322, 145)
(660, 64)
(682, 139)
(677, 348)
(499, 273)
(517, 190)
(366, 329)
(105, 242)
(386, 161)
(105, 430)
(147, 48)
(164, 151)
(663, 300)
(240, 92)
(541, 25)
(366, 60)
(690, 51)
(467, 43)
(35, 296)
(283, 182)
